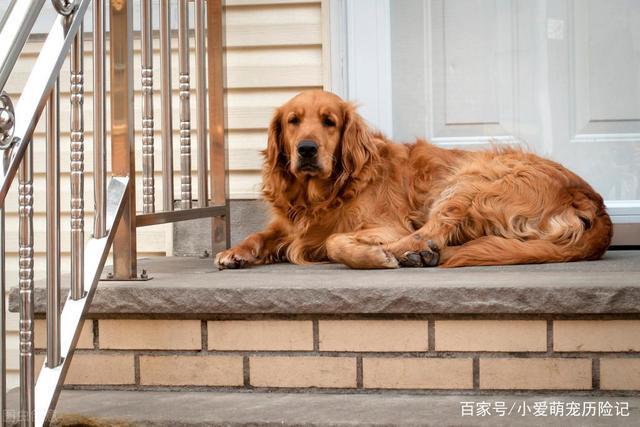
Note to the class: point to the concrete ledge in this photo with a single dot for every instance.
(128, 408)
(193, 287)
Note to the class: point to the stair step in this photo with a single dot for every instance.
(554, 328)
(190, 287)
(192, 408)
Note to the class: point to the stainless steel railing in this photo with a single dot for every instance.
(148, 184)
(99, 121)
(116, 217)
(185, 110)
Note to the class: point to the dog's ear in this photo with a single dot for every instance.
(274, 156)
(357, 147)
(275, 172)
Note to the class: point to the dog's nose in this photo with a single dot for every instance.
(307, 149)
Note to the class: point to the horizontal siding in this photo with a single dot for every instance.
(273, 51)
(265, 2)
(273, 23)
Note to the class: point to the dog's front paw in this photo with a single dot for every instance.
(426, 256)
(234, 258)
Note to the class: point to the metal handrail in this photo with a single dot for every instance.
(116, 216)
(41, 85)
(15, 30)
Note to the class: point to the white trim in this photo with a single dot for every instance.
(624, 211)
(360, 54)
(335, 46)
(605, 137)
(456, 141)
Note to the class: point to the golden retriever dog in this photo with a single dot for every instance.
(343, 192)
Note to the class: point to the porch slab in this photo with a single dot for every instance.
(184, 408)
(192, 287)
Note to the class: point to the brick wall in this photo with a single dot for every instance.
(427, 353)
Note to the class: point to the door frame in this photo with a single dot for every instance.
(348, 28)
(365, 76)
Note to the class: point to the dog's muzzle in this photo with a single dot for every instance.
(308, 155)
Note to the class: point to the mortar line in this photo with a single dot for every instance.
(431, 335)
(316, 335)
(595, 373)
(246, 374)
(597, 394)
(96, 334)
(136, 369)
(381, 354)
(476, 373)
(204, 335)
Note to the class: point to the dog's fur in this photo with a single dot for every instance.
(370, 203)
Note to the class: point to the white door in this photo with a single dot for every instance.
(561, 77)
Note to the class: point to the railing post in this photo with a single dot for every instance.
(185, 106)
(53, 227)
(148, 184)
(99, 134)
(201, 104)
(165, 107)
(220, 232)
(3, 317)
(77, 166)
(25, 253)
(122, 138)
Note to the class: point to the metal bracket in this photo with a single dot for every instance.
(65, 7)
(144, 277)
(7, 121)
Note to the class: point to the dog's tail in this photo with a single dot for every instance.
(584, 236)
(494, 250)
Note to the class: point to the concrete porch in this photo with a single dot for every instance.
(292, 345)
(190, 286)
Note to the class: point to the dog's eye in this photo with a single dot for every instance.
(328, 122)
(294, 120)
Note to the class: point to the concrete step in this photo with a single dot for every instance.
(193, 287)
(547, 329)
(189, 408)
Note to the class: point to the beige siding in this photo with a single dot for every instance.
(274, 50)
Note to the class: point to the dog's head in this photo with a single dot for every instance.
(317, 136)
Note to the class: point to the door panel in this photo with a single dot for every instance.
(470, 52)
(602, 57)
(465, 50)
(605, 68)
(560, 77)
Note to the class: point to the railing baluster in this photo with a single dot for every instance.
(185, 112)
(201, 101)
(77, 167)
(25, 253)
(99, 133)
(166, 98)
(53, 228)
(148, 190)
(3, 317)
